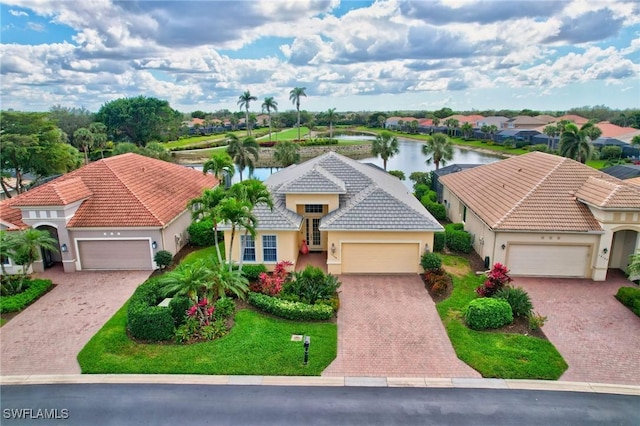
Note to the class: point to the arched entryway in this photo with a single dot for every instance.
(624, 243)
(50, 257)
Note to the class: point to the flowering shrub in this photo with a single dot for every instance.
(271, 284)
(201, 323)
(202, 311)
(497, 278)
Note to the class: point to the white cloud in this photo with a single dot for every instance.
(18, 12)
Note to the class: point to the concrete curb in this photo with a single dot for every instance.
(417, 382)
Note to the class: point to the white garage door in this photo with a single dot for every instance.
(548, 260)
(380, 258)
(115, 254)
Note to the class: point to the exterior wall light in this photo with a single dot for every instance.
(504, 246)
(605, 250)
(64, 248)
(154, 245)
(333, 248)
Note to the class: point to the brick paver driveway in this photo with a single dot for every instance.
(389, 326)
(46, 337)
(597, 336)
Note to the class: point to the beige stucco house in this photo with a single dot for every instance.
(544, 215)
(365, 220)
(115, 213)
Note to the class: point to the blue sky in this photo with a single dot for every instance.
(350, 55)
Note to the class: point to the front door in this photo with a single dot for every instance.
(313, 236)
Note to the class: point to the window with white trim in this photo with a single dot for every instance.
(249, 245)
(269, 248)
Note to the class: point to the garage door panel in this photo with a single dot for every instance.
(115, 254)
(380, 258)
(548, 260)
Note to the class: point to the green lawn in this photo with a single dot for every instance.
(195, 140)
(290, 134)
(506, 356)
(256, 345)
(597, 164)
(205, 253)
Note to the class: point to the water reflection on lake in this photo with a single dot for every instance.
(409, 160)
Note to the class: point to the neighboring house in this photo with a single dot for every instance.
(523, 122)
(10, 184)
(495, 120)
(544, 215)
(365, 219)
(545, 118)
(436, 185)
(578, 120)
(516, 134)
(623, 171)
(112, 214)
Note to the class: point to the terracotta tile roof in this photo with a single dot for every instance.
(574, 118)
(9, 216)
(607, 194)
(634, 181)
(124, 191)
(535, 191)
(610, 130)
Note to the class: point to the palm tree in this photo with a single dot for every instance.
(5, 249)
(467, 130)
(99, 132)
(493, 129)
(188, 279)
(221, 164)
(205, 206)
(243, 102)
(269, 105)
(439, 149)
(414, 126)
(591, 130)
(243, 153)
(436, 122)
(331, 115)
(233, 120)
(294, 96)
(575, 144)
(26, 246)
(386, 146)
(238, 214)
(484, 129)
(287, 153)
(634, 266)
(551, 132)
(84, 139)
(222, 281)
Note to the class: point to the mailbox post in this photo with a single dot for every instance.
(307, 343)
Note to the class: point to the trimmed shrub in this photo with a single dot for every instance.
(458, 240)
(201, 233)
(311, 285)
(252, 272)
(481, 314)
(454, 227)
(319, 142)
(225, 307)
(146, 320)
(439, 211)
(17, 302)
(420, 190)
(609, 152)
(518, 299)
(290, 310)
(178, 308)
(163, 258)
(630, 297)
(430, 261)
(439, 241)
(539, 147)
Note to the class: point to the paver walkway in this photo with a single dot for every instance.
(46, 337)
(597, 335)
(389, 326)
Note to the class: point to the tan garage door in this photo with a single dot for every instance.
(548, 260)
(115, 254)
(380, 258)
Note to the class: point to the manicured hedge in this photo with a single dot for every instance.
(438, 210)
(252, 272)
(290, 310)
(457, 239)
(178, 308)
(487, 312)
(439, 241)
(19, 301)
(146, 320)
(630, 297)
(430, 261)
(201, 233)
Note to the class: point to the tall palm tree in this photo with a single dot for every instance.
(484, 129)
(204, 206)
(551, 131)
(467, 130)
(294, 96)
(331, 115)
(84, 139)
(493, 129)
(26, 246)
(439, 149)
(286, 153)
(269, 105)
(221, 164)
(188, 279)
(222, 281)
(436, 122)
(99, 132)
(243, 102)
(575, 143)
(591, 130)
(237, 213)
(243, 153)
(386, 146)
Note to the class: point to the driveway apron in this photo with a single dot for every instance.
(389, 326)
(597, 335)
(46, 337)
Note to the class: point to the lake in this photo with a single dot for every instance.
(409, 160)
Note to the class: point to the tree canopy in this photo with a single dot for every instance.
(139, 120)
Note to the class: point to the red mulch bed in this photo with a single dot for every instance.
(518, 326)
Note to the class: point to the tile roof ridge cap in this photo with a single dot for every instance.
(353, 201)
(56, 185)
(530, 193)
(617, 187)
(117, 176)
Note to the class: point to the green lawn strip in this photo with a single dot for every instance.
(256, 345)
(205, 253)
(597, 164)
(181, 143)
(290, 134)
(507, 356)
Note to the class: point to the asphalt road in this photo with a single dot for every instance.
(121, 404)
